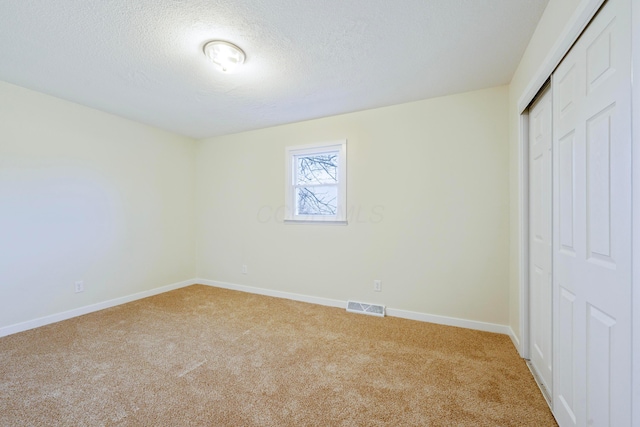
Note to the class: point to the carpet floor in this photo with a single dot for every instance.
(203, 356)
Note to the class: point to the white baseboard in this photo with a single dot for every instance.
(423, 317)
(449, 321)
(271, 293)
(515, 340)
(405, 314)
(46, 320)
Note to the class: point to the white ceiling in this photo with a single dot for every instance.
(142, 59)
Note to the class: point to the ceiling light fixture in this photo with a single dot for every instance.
(224, 55)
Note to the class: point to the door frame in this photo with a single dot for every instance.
(635, 240)
(524, 348)
(524, 228)
(583, 14)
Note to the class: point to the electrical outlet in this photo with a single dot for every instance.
(377, 285)
(79, 286)
(245, 269)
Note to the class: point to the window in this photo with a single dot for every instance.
(316, 188)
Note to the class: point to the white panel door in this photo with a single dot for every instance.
(540, 290)
(592, 224)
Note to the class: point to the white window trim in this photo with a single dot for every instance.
(290, 203)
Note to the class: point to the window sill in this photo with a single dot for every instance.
(313, 222)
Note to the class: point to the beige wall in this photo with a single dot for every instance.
(86, 195)
(552, 23)
(428, 195)
(433, 191)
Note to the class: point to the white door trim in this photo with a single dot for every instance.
(635, 161)
(583, 14)
(524, 235)
(585, 11)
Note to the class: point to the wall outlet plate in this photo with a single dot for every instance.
(79, 286)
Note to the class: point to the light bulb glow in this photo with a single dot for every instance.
(226, 56)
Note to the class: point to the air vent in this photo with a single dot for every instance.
(360, 307)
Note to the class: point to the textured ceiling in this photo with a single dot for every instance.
(142, 59)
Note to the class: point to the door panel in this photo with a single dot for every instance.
(564, 380)
(565, 154)
(599, 333)
(599, 186)
(540, 142)
(592, 217)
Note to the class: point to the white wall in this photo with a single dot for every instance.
(429, 199)
(552, 23)
(87, 195)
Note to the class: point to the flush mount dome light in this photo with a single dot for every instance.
(224, 55)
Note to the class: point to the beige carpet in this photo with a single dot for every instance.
(202, 356)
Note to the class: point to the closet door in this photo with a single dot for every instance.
(540, 253)
(592, 224)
